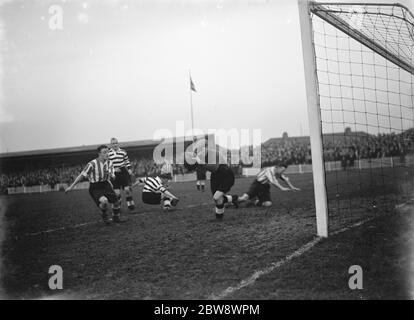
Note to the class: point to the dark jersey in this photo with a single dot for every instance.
(211, 159)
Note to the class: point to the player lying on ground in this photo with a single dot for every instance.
(221, 179)
(123, 172)
(155, 192)
(98, 172)
(260, 188)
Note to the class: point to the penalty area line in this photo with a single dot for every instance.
(275, 265)
(59, 229)
(79, 225)
(404, 204)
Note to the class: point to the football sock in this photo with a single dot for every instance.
(130, 202)
(116, 210)
(219, 211)
(104, 209)
(227, 198)
(219, 208)
(104, 216)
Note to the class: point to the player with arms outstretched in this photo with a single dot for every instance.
(260, 188)
(98, 172)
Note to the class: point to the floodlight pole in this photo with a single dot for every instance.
(314, 115)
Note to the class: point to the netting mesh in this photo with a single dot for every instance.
(365, 70)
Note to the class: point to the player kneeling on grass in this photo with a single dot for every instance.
(98, 172)
(260, 188)
(155, 192)
(222, 176)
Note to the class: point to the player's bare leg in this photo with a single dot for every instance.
(243, 198)
(168, 203)
(118, 194)
(263, 204)
(128, 196)
(201, 184)
(246, 199)
(119, 197)
(103, 205)
(220, 199)
(231, 199)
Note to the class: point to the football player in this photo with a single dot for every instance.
(259, 191)
(201, 177)
(222, 176)
(99, 172)
(155, 192)
(123, 172)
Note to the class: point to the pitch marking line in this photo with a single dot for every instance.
(76, 226)
(404, 204)
(257, 274)
(275, 265)
(58, 229)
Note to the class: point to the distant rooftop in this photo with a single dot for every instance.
(346, 133)
(92, 147)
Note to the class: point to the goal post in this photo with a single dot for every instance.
(314, 116)
(359, 76)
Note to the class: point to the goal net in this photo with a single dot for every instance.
(363, 63)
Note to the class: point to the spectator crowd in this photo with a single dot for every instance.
(355, 146)
(60, 175)
(286, 150)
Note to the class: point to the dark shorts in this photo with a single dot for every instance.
(122, 179)
(167, 176)
(222, 179)
(201, 175)
(259, 190)
(151, 198)
(99, 189)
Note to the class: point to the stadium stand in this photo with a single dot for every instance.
(52, 167)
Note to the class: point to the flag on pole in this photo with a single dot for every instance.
(192, 85)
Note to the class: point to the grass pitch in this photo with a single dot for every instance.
(187, 254)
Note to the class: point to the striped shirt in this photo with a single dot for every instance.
(153, 185)
(119, 158)
(269, 175)
(97, 171)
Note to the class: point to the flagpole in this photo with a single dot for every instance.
(191, 105)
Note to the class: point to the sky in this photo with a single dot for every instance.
(120, 68)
